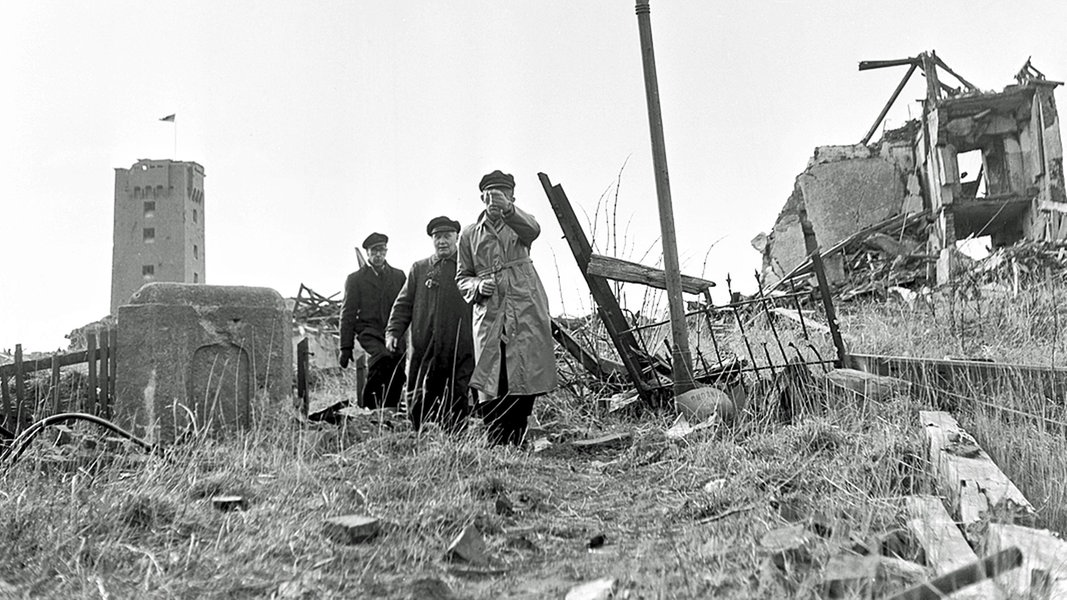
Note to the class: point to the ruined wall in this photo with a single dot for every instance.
(845, 188)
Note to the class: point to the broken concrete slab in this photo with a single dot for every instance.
(788, 546)
(1044, 560)
(468, 547)
(851, 575)
(702, 403)
(351, 529)
(976, 488)
(598, 589)
(227, 503)
(872, 387)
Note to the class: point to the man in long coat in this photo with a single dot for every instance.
(369, 296)
(514, 352)
(442, 349)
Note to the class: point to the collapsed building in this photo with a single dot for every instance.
(912, 180)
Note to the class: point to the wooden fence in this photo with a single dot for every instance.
(20, 408)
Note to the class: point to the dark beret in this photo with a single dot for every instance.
(496, 179)
(374, 239)
(441, 224)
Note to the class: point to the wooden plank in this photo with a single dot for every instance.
(90, 348)
(812, 247)
(301, 375)
(633, 358)
(112, 369)
(1044, 561)
(104, 405)
(976, 488)
(963, 375)
(20, 391)
(944, 545)
(630, 272)
(949, 583)
(867, 65)
(55, 386)
(586, 358)
(5, 397)
(30, 366)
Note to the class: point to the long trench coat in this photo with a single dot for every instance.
(440, 321)
(369, 297)
(516, 314)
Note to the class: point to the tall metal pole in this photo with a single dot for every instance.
(681, 361)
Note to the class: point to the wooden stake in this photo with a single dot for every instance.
(90, 347)
(20, 381)
(681, 364)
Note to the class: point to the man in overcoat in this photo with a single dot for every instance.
(513, 344)
(442, 349)
(369, 296)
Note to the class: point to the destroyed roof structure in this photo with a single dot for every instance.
(907, 193)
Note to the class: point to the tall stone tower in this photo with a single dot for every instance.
(159, 226)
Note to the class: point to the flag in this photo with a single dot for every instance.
(168, 118)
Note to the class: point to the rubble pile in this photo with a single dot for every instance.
(1023, 263)
(874, 263)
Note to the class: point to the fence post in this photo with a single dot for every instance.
(302, 375)
(55, 384)
(5, 396)
(113, 344)
(20, 380)
(90, 357)
(105, 360)
(812, 246)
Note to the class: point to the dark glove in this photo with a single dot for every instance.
(345, 357)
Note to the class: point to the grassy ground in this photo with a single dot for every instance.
(681, 518)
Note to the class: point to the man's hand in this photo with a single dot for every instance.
(497, 204)
(344, 358)
(487, 286)
(391, 343)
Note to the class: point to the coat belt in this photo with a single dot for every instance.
(511, 263)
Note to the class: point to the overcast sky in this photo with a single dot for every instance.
(320, 122)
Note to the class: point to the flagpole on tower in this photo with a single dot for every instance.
(173, 119)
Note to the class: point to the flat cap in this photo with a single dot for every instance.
(496, 179)
(437, 224)
(374, 239)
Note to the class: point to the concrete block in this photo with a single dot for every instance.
(194, 356)
(351, 529)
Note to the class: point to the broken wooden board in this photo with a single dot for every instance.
(976, 488)
(625, 271)
(872, 387)
(1044, 569)
(945, 547)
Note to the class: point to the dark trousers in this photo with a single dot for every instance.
(506, 415)
(437, 400)
(385, 383)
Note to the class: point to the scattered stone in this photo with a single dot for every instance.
(598, 589)
(351, 529)
(227, 503)
(429, 588)
(597, 541)
(714, 486)
(788, 546)
(850, 575)
(702, 403)
(541, 444)
(305, 586)
(622, 400)
(503, 506)
(614, 440)
(521, 542)
(468, 546)
(870, 386)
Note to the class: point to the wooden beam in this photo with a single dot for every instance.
(112, 369)
(630, 272)
(976, 488)
(90, 348)
(41, 364)
(941, 587)
(633, 358)
(587, 359)
(970, 86)
(944, 545)
(867, 65)
(301, 375)
(1044, 561)
(888, 105)
(812, 247)
(20, 386)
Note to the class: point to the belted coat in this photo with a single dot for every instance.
(515, 314)
(440, 322)
(369, 296)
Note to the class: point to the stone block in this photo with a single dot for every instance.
(351, 529)
(194, 356)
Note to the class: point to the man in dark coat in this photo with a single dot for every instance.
(442, 349)
(514, 351)
(369, 296)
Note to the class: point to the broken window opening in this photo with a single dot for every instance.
(972, 174)
(976, 247)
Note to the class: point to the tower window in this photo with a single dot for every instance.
(137, 192)
(194, 216)
(196, 278)
(149, 209)
(149, 235)
(196, 251)
(148, 271)
(159, 191)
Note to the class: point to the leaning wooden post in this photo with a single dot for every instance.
(112, 343)
(812, 247)
(302, 375)
(90, 357)
(20, 386)
(5, 397)
(102, 377)
(681, 363)
(55, 384)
